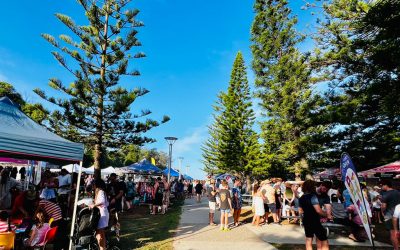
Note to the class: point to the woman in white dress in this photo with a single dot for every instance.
(258, 203)
(100, 201)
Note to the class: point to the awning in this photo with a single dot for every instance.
(22, 138)
(144, 166)
(173, 172)
(393, 167)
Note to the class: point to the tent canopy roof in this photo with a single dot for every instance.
(144, 166)
(173, 172)
(22, 138)
(391, 167)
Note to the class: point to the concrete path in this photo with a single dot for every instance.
(294, 234)
(194, 233)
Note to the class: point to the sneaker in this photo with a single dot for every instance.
(227, 229)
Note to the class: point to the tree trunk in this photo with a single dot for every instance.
(248, 184)
(98, 149)
(98, 159)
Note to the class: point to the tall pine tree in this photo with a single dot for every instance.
(233, 145)
(283, 86)
(95, 104)
(358, 56)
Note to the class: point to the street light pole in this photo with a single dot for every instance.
(170, 140)
(180, 166)
(187, 170)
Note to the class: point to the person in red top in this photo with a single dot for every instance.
(24, 205)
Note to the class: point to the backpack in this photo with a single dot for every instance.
(161, 188)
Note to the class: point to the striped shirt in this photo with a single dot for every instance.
(51, 209)
(4, 226)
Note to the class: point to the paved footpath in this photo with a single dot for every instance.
(194, 233)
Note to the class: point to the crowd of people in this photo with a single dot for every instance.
(314, 204)
(317, 203)
(50, 203)
(36, 208)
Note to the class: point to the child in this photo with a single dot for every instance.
(38, 231)
(4, 225)
(225, 205)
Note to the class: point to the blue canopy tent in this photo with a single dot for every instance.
(22, 138)
(144, 167)
(187, 177)
(173, 172)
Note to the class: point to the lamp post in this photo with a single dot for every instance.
(180, 166)
(170, 140)
(187, 170)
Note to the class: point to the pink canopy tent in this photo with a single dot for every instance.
(14, 161)
(327, 173)
(393, 167)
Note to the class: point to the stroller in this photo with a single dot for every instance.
(85, 229)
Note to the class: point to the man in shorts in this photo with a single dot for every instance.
(390, 199)
(211, 193)
(311, 210)
(269, 203)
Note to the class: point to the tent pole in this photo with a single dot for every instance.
(78, 185)
(70, 189)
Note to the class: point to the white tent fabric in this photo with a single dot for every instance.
(104, 171)
(72, 168)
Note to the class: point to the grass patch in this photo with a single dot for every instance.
(140, 230)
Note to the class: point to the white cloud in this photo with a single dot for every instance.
(191, 141)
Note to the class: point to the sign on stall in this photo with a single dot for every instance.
(353, 186)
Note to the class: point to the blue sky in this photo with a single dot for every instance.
(190, 47)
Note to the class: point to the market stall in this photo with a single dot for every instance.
(173, 172)
(328, 173)
(22, 138)
(145, 167)
(393, 167)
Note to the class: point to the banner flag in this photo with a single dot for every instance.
(352, 184)
(153, 161)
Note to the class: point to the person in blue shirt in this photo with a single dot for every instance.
(236, 201)
(347, 198)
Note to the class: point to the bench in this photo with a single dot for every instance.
(247, 198)
(331, 225)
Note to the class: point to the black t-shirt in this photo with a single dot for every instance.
(198, 188)
(114, 188)
(161, 187)
(392, 199)
(224, 195)
(307, 202)
(210, 196)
